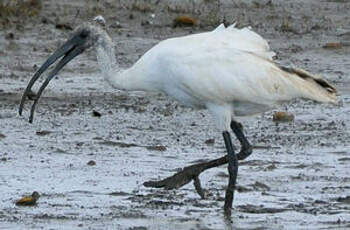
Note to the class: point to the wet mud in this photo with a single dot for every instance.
(91, 147)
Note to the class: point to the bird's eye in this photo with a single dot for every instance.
(84, 33)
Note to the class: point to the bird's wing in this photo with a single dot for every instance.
(228, 65)
(223, 38)
(224, 76)
(247, 40)
(219, 28)
(231, 75)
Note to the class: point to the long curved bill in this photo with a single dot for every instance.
(72, 48)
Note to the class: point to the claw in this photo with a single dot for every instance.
(198, 187)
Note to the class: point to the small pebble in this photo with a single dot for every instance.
(332, 45)
(282, 117)
(10, 36)
(184, 21)
(28, 200)
(210, 141)
(96, 114)
(91, 163)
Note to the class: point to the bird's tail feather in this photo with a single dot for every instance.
(315, 87)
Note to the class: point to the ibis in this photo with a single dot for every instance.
(228, 71)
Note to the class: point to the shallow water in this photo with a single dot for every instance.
(300, 183)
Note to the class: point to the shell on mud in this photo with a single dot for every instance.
(184, 21)
(91, 163)
(332, 45)
(28, 200)
(282, 117)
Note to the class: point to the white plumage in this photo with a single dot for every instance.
(228, 71)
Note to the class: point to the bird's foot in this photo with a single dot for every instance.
(180, 179)
(186, 175)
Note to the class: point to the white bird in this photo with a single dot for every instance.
(228, 71)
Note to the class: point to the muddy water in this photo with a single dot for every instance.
(299, 180)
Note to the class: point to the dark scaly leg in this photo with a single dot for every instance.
(246, 147)
(186, 175)
(232, 170)
(192, 172)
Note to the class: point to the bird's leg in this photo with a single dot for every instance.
(186, 175)
(192, 172)
(232, 170)
(246, 147)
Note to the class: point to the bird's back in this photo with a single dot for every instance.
(221, 38)
(228, 66)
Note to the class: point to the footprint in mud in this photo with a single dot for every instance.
(344, 199)
(260, 209)
(2, 136)
(258, 186)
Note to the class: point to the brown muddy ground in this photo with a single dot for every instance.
(302, 182)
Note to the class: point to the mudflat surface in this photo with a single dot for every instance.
(297, 179)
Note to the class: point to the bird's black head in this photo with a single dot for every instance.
(83, 38)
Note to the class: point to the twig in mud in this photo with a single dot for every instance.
(265, 147)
